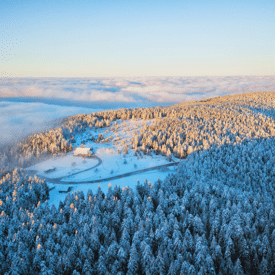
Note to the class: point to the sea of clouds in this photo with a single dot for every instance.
(29, 105)
(136, 90)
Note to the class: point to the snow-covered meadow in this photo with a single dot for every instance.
(115, 162)
(63, 166)
(130, 181)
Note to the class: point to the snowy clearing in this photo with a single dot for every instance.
(116, 161)
(131, 181)
(63, 166)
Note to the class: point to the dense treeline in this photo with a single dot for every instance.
(199, 125)
(17, 190)
(214, 216)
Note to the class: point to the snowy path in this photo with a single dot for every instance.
(121, 176)
(58, 180)
(94, 156)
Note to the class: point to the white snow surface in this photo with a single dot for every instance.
(114, 162)
(63, 165)
(113, 165)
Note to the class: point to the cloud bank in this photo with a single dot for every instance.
(136, 90)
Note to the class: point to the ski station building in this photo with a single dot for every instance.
(83, 151)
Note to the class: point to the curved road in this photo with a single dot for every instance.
(58, 180)
(121, 176)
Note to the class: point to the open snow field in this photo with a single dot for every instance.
(113, 165)
(114, 162)
(114, 159)
(63, 166)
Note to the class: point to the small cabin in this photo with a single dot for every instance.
(82, 151)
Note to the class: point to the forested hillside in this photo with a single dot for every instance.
(178, 129)
(215, 215)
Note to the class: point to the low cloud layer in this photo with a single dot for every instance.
(18, 120)
(133, 90)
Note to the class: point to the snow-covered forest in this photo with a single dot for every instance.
(178, 129)
(215, 215)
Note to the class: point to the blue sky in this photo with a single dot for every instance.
(136, 38)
